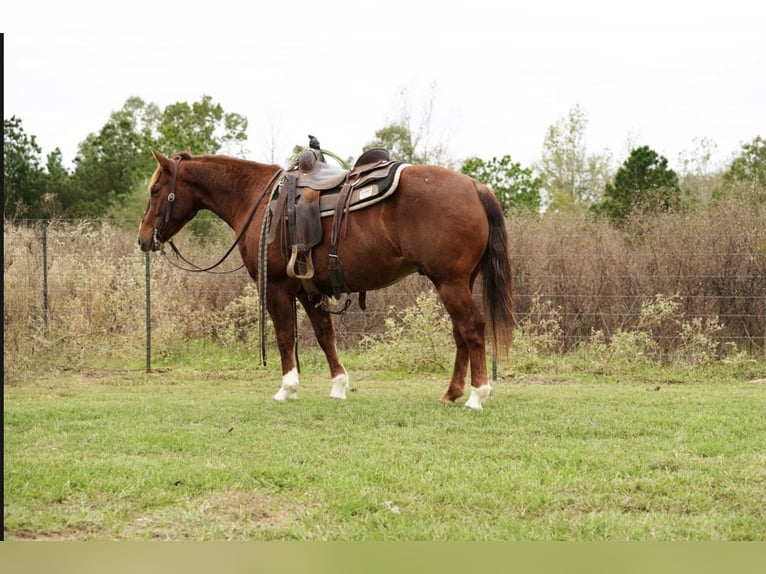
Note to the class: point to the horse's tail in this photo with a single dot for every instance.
(497, 278)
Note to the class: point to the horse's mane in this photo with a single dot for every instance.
(247, 169)
(187, 155)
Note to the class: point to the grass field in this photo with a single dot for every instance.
(198, 450)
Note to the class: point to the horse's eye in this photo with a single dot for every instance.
(155, 191)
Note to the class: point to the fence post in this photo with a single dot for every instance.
(45, 272)
(147, 265)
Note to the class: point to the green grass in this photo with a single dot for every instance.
(199, 451)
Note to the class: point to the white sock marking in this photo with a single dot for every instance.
(478, 395)
(289, 388)
(339, 386)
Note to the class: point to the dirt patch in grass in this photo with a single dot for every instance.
(72, 532)
(545, 380)
(231, 515)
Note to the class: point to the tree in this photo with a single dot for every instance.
(698, 177)
(747, 173)
(572, 179)
(109, 164)
(117, 161)
(25, 181)
(643, 183)
(412, 143)
(515, 187)
(397, 139)
(203, 127)
(59, 184)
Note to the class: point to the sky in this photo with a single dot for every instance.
(494, 75)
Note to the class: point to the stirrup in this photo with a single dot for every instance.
(300, 269)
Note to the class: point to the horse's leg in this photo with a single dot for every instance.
(468, 329)
(457, 384)
(281, 307)
(321, 322)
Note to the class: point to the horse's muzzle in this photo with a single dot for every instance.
(151, 243)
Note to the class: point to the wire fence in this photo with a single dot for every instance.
(82, 289)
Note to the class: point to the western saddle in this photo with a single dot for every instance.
(311, 189)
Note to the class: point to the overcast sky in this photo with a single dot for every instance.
(498, 73)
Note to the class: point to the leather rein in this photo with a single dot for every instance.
(166, 216)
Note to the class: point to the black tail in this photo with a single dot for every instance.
(497, 278)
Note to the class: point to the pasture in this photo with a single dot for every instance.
(198, 450)
(631, 406)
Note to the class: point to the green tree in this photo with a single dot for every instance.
(25, 180)
(114, 165)
(109, 164)
(203, 127)
(516, 188)
(644, 183)
(59, 184)
(572, 179)
(747, 173)
(397, 139)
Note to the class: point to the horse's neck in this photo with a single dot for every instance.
(232, 193)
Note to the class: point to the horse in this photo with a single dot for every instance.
(439, 223)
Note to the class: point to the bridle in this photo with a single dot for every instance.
(166, 217)
(168, 205)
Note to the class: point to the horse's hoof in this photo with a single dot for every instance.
(285, 394)
(339, 386)
(289, 388)
(478, 395)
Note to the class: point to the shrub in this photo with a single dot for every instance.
(418, 338)
(597, 277)
(663, 336)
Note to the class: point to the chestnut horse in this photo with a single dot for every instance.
(439, 222)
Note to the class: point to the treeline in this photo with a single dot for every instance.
(111, 168)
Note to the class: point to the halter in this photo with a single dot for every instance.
(166, 216)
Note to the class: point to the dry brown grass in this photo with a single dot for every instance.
(573, 278)
(597, 278)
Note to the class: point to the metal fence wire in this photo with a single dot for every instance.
(84, 285)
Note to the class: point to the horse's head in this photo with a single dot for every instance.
(170, 205)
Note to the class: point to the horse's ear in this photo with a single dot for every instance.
(161, 159)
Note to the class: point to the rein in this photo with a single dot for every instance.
(196, 268)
